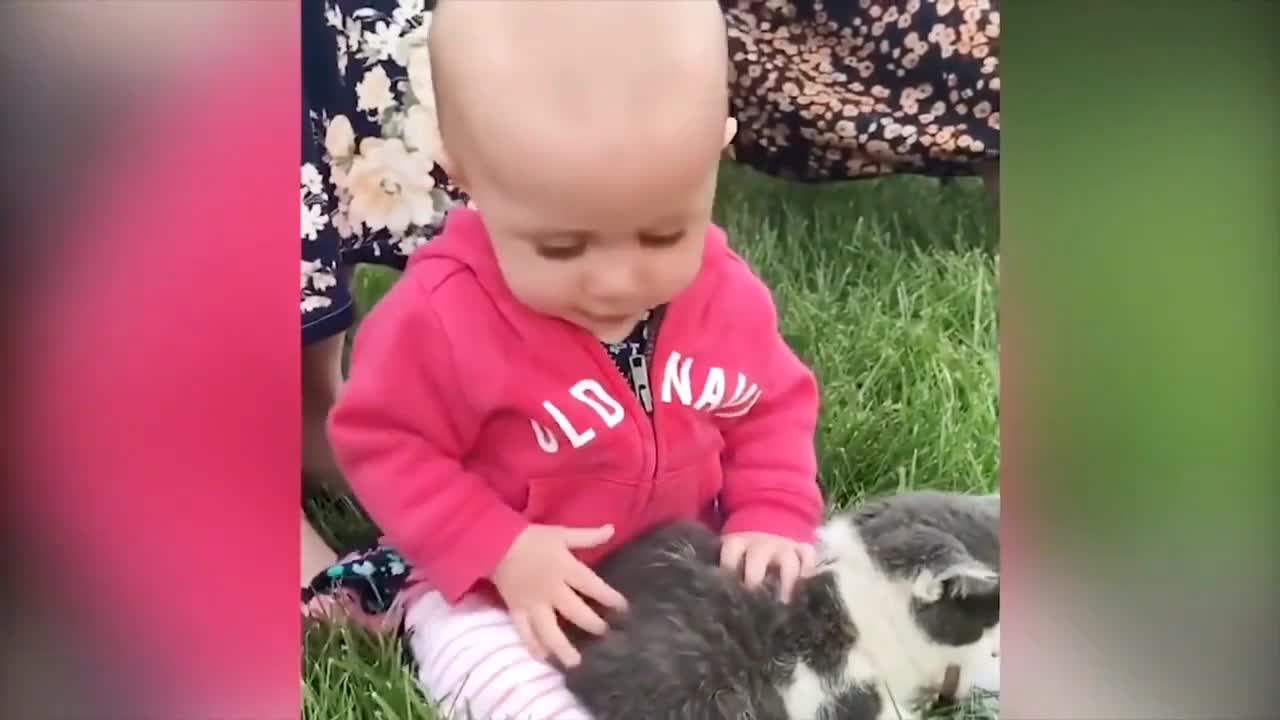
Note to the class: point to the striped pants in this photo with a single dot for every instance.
(472, 663)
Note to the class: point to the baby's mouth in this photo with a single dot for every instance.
(614, 319)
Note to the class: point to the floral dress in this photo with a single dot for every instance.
(845, 89)
(371, 189)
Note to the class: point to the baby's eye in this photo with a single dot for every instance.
(560, 251)
(662, 239)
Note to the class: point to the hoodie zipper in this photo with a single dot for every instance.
(639, 364)
(640, 379)
(642, 397)
(644, 388)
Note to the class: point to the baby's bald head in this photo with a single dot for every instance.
(588, 132)
(598, 76)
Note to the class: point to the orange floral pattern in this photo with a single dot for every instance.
(864, 87)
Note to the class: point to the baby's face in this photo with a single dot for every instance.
(598, 238)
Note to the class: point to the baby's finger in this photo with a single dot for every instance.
(571, 606)
(553, 638)
(588, 583)
(525, 628)
(808, 560)
(586, 537)
(788, 571)
(758, 559)
(731, 551)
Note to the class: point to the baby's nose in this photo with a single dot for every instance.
(614, 282)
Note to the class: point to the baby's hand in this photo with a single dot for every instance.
(539, 578)
(753, 552)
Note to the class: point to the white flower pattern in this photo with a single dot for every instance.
(339, 138)
(391, 186)
(372, 190)
(374, 91)
(313, 221)
(421, 132)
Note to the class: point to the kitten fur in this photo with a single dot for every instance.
(907, 585)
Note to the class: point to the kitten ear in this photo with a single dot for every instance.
(963, 579)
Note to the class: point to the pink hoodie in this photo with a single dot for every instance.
(468, 416)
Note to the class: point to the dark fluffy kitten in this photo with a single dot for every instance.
(908, 590)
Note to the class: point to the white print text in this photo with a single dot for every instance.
(677, 387)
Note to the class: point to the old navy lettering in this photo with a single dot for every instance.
(677, 388)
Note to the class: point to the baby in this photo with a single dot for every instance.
(578, 358)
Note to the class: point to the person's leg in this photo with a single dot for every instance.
(317, 556)
(470, 659)
(321, 382)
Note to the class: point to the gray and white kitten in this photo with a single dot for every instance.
(908, 586)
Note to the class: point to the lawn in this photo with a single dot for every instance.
(887, 289)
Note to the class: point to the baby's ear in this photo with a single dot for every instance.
(730, 130)
(450, 168)
(963, 579)
(446, 159)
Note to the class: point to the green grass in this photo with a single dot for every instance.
(887, 289)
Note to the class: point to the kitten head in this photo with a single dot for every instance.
(936, 556)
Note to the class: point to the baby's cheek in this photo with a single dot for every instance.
(681, 269)
(537, 283)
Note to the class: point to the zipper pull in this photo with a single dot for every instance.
(640, 379)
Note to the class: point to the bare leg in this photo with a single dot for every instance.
(316, 553)
(321, 381)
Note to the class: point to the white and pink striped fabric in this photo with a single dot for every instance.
(472, 662)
